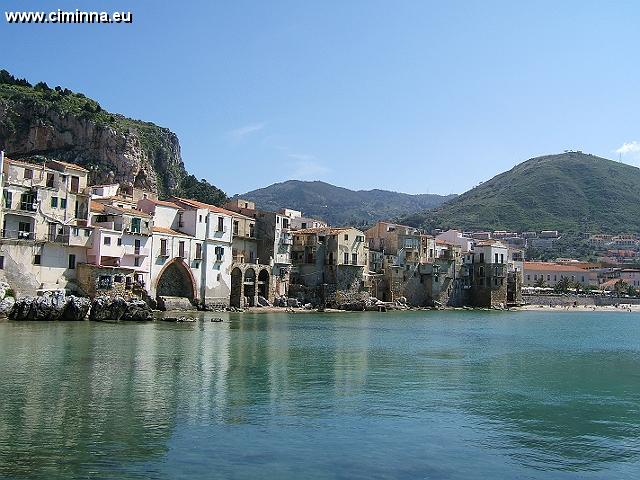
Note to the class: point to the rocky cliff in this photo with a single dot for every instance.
(57, 123)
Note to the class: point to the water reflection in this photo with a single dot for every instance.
(357, 394)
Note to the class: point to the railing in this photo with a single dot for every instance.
(18, 235)
(27, 207)
(140, 251)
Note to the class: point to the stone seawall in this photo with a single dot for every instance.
(568, 300)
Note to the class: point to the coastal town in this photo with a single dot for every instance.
(62, 234)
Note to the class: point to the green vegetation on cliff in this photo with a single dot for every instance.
(37, 120)
(570, 192)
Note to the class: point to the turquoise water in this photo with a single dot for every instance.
(413, 395)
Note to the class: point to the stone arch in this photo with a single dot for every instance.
(250, 286)
(236, 287)
(176, 280)
(263, 283)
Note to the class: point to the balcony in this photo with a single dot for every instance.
(137, 251)
(18, 235)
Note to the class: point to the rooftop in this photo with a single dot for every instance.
(168, 231)
(551, 267)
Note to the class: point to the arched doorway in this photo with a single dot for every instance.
(250, 286)
(236, 287)
(176, 280)
(263, 284)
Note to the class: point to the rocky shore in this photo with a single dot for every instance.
(58, 306)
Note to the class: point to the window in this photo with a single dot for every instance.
(285, 223)
(117, 278)
(50, 178)
(163, 248)
(136, 261)
(354, 258)
(180, 221)
(72, 261)
(198, 250)
(346, 258)
(346, 236)
(502, 258)
(496, 261)
(482, 258)
(136, 246)
(220, 224)
(106, 241)
(28, 174)
(235, 227)
(75, 184)
(8, 197)
(495, 281)
(37, 259)
(63, 203)
(87, 232)
(200, 218)
(119, 242)
(219, 253)
(252, 230)
(135, 225)
(181, 248)
(1, 262)
(304, 224)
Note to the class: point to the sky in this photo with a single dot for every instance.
(412, 96)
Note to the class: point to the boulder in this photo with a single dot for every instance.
(137, 311)
(263, 302)
(178, 319)
(293, 302)
(6, 305)
(76, 308)
(108, 308)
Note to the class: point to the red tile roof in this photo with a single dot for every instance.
(168, 231)
(551, 267)
(211, 208)
(164, 203)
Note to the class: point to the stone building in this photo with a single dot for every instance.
(329, 266)
(486, 275)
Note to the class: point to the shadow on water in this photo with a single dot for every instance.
(341, 396)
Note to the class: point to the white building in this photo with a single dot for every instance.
(190, 250)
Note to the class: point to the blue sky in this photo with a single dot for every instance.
(413, 96)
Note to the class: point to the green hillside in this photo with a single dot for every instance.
(571, 192)
(341, 206)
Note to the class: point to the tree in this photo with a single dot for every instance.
(563, 285)
(540, 282)
(621, 287)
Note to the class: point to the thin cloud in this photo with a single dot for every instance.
(306, 167)
(629, 147)
(239, 134)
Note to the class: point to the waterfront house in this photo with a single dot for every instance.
(329, 265)
(45, 234)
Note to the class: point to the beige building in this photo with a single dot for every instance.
(45, 231)
(549, 274)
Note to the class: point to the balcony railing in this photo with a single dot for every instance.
(18, 235)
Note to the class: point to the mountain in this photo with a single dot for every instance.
(37, 122)
(571, 191)
(341, 206)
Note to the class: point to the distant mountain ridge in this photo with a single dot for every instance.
(339, 205)
(572, 191)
